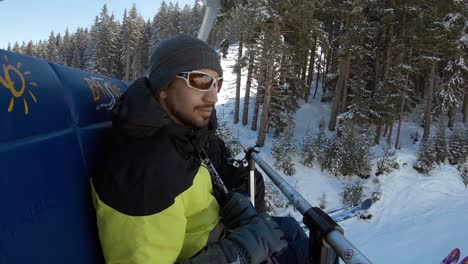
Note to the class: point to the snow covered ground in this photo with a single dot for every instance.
(418, 219)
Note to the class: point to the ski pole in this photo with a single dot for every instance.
(252, 181)
(313, 216)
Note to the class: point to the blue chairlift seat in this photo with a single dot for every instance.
(52, 121)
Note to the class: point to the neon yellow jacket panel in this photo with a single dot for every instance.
(176, 233)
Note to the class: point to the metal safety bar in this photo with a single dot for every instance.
(343, 247)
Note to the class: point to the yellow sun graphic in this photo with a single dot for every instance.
(17, 89)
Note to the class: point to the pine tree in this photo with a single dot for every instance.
(450, 95)
(197, 17)
(321, 143)
(186, 20)
(348, 153)
(359, 108)
(58, 46)
(441, 148)
(30, 49)
(52, 52)
(79, 47)
(165, 20)
(176, 17)
(248, 85)
(356, 160)
(282, 107)
(307, 148)
(351, 19)
(240, 23)
(272, 33)
(41, 49)
(426, 158)
(133, 49)
(387, 163)
(458, 142)
(104, 51)
(65, 51)
(284, 149)
(333, 155)
(437, 43)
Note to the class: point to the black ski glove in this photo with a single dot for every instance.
(258, 240)
(252, 243)
(237, 211)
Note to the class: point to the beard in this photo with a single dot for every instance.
(185, 119)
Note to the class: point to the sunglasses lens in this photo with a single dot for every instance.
(200, 81)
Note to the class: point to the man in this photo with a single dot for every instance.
(154, 197)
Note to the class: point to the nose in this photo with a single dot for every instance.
(211, 96)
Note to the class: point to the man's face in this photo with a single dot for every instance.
(189, 107)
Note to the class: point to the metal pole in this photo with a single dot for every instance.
(252, 181)
(208, 19)
(347, 251)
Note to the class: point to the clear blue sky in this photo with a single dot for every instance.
(24, 20)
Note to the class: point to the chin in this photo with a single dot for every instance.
(203, 122)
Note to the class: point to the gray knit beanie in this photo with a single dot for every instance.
(177, 54)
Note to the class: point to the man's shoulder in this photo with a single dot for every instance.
(143, 176)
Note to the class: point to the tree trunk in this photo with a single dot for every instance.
(318, 74)
(402, 106)
(400, 119)
(376, 68)
(245, 113)
(327, 70)
(127, 64)
(304, 71)
(261, 84)
(345, 85)
(390, 132)
(388, 53)
(378, 132)
(270, 64)
(430, 95)
(310, 74)
(451, 117)
(386, 70)
(465, 106)
(422, 86)
(400, 115)
(266, 105)
(338, 94)
(238, 82)
(258, 99)
(385, 130)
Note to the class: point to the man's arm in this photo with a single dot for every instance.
(251, 238)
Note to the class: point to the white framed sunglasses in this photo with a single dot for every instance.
(201, 81)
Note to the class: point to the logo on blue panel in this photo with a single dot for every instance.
(14, 80)
(105, 93)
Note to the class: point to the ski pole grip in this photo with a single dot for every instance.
(316, 219)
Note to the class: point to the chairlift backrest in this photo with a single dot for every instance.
(52, 118)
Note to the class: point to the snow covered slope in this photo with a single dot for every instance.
(418, 219)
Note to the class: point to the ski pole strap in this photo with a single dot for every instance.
(320, 224)
(216, 179)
